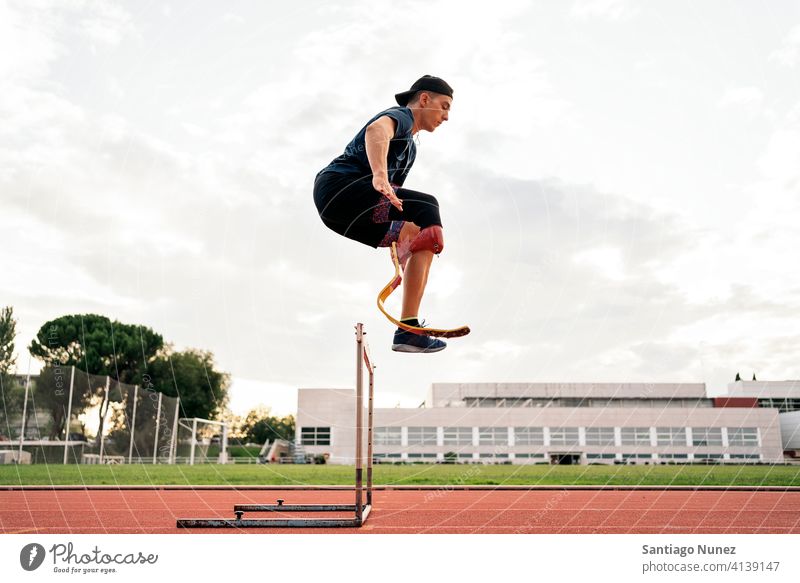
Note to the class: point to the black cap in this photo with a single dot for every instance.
(425, 83)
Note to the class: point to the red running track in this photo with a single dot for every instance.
(414, 511)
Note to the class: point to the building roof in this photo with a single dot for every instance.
(443, 393)
(765, 389)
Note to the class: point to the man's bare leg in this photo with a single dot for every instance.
(417, 267)
(416, 278)
(407, 234)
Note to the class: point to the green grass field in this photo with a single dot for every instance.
(745, 475)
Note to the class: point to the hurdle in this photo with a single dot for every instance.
(363, 494)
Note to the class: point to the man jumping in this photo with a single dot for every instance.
(360, 195)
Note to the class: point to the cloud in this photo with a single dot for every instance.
(605, 260)
(750, 97)
(781, 159)
(232, 18)
(39, 33)
(27, 45)
(105, 23)
(788, 54)
(248, 394)
(611, 10)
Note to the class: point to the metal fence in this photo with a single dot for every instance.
(65, 415)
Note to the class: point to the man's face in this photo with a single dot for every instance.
(433, 110)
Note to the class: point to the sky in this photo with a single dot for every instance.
(619, 184)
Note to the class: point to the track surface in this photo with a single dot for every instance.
(414, 511)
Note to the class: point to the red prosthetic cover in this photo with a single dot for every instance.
(429, 239)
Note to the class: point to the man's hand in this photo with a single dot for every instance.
(381, 184)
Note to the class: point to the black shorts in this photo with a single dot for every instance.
(351, 207)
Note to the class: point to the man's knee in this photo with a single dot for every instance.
(429, 239)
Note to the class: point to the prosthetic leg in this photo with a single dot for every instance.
(431, 239)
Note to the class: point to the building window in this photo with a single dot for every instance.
(782, 405)
(427, 457)
(494, 457)
(493, 436)
(572, 402)
(636, 457)
(529, 436)
(671, 435)
(518, 402)
(673, 456)
(458, 435)
(484, 402)
(601, 456)
(599, 436)
(708, 456)
(421, 436)
(315, 436)
(636, 403)
(525, 456)
(743, 436)
(706, 436)
(387, 436)
(563, 436)
(635, 435)
(745, 456)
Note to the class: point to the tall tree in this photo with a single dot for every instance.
(11, 393)
(191, 375)
(8, 331)
(260, 425)
(12, 401)
(97, 346)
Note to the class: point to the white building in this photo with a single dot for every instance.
(523, 423)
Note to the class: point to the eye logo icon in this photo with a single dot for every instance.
(31, 556)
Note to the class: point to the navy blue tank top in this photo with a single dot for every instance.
(402, 150)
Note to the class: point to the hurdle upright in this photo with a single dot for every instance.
(363, 494)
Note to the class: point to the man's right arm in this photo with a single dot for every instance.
(378, 135)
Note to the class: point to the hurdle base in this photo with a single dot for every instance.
(282, 522)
